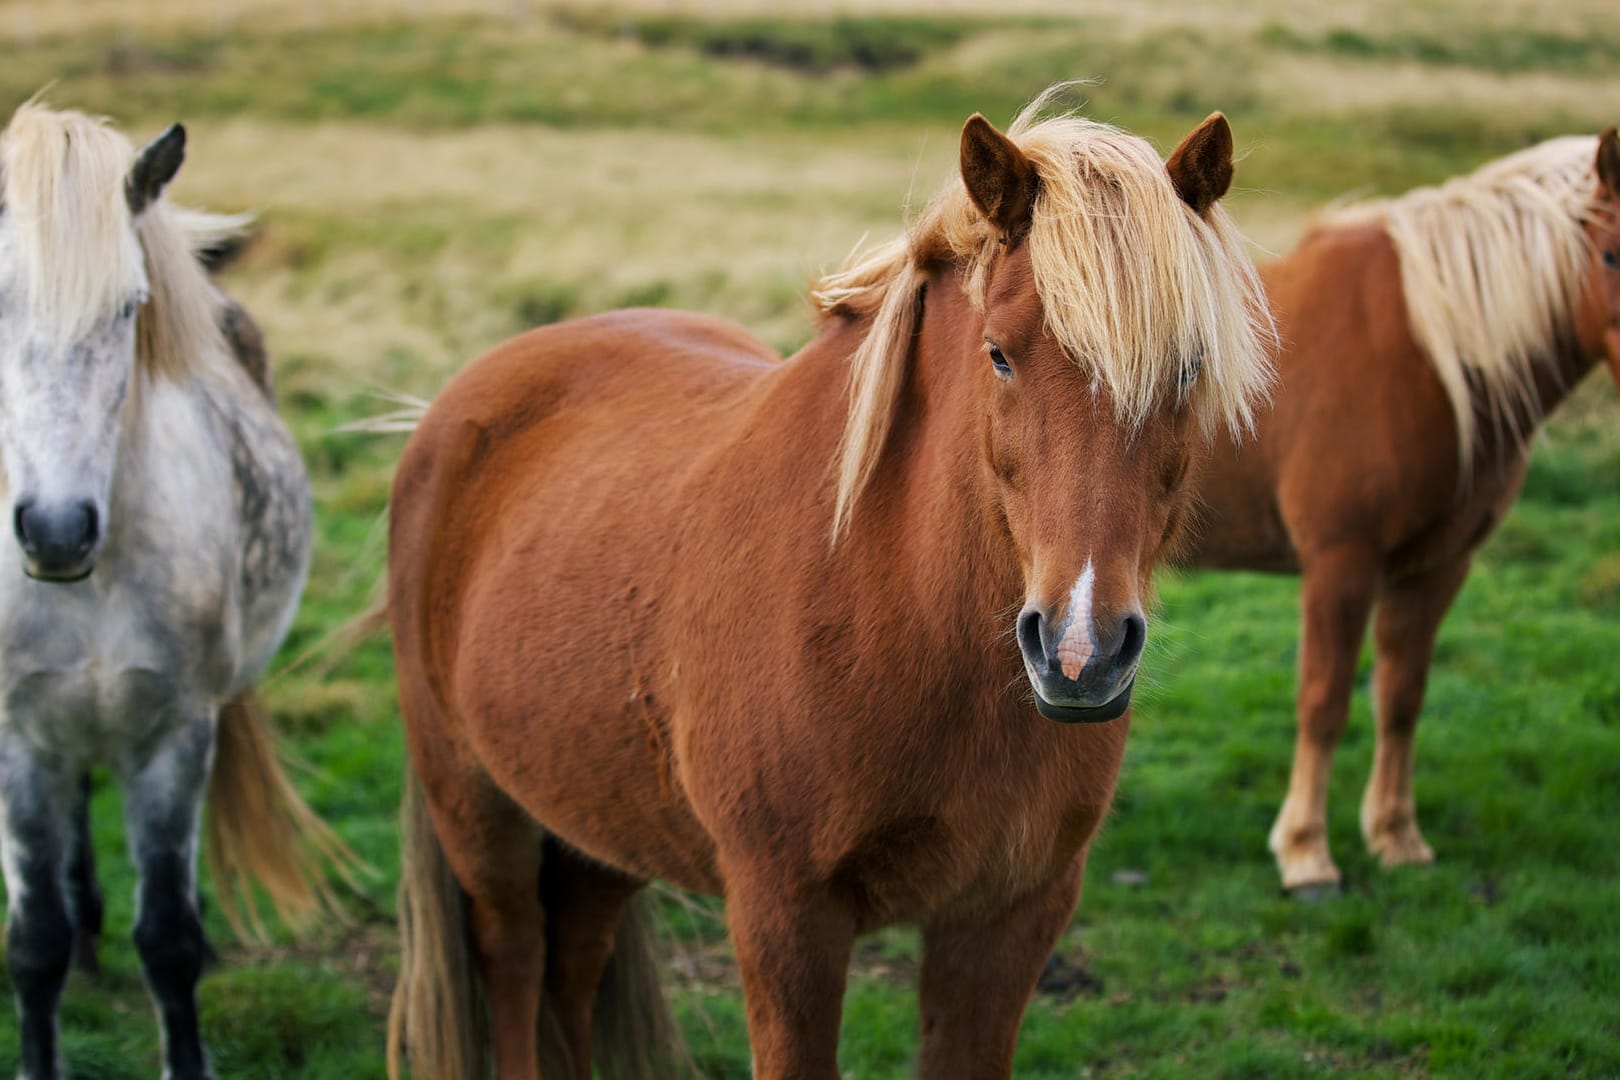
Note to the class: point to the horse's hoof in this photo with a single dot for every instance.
(1316, 892)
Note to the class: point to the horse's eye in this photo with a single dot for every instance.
(127, 310)
(1190, 369)
(999, 360)
(1611, 260)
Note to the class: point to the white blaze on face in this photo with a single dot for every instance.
(1076, 646)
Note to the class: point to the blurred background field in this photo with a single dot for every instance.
(434, 175)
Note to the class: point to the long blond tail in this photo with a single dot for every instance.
(436, 1020)
(261, 831)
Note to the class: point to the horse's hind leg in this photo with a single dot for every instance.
(584, 902)
(83, 890)
(163, 796)
(977, 978)
(1408, 619)
(34, 807)
(494, 848)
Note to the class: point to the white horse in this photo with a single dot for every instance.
(162, 520)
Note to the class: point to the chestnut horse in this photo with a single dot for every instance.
(667, 607)
(1425, 338)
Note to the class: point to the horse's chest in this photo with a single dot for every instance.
(1465, 525)
(1000, 828)
(83, 715)
(85, 682)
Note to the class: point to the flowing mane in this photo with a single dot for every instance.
(1492, 264)
(1135, 286)
(79, 255)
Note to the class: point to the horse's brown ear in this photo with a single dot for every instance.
(1201, 167)
(1608, 164)
(1000, 179)
(154, 167)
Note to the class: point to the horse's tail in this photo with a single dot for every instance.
(437, 1024)
(437, 1016)
(260, 830)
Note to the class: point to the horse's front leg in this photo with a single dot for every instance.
(163, 795)
(1336, 596)
(977, 978)
(34, 807)
(83, 889)
(793, 949)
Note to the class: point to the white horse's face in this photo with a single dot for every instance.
(61, 409)
(64, 379)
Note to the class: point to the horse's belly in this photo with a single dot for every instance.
(601, 780)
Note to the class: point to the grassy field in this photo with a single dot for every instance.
(433, 176)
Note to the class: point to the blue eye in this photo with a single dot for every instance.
(999, 360)
(1190, 369)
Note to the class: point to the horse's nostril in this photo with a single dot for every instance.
(19, 521)
(1132, 638)
(1029, 637)
(92, 527)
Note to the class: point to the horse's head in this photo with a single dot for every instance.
(72, 282)
(1092, 413)
(1598, 316)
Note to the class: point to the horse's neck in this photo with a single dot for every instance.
(1558, 373)
(179, 425)
(929, 497)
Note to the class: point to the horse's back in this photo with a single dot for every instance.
(1353, 394)
(564, 412)
(622, 364)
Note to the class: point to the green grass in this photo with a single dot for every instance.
(1512, 49)
(1502, 960)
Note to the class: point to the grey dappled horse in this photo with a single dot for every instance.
(162, 529)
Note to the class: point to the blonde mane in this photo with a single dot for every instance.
(1135, 286)
(1492, 264)
(79, 256)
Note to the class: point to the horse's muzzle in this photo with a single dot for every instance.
(58, 541)
(1101, 689)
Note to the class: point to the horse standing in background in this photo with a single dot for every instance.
(1426, 337)
(666, 606)
(162, 520)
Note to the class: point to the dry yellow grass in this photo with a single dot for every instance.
(734, 226)
(604, 212)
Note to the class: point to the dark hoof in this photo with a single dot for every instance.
(1316, 892)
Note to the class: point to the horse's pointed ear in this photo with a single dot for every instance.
(154, 167)
(1000, 180)
(1201, 167)
(1608, 164)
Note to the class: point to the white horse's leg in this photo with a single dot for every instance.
(39, 935)
(163, 795)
